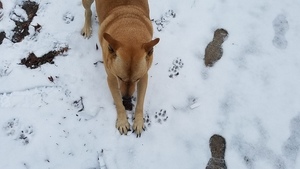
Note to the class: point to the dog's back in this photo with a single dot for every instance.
(104, 7)
(125, 36)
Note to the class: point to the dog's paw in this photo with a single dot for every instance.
(123, 126)
(86, 32)
(138, 126)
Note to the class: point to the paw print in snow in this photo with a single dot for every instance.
(280, 26)
(147, 120)
(4, 69)
(161, 116)
(11, 126)
(26, 134)
(12, 129)
(174, 70)
(68, 17)
(164, 20)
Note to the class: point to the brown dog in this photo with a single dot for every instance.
(125, 35)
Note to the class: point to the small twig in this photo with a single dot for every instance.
(77, 102)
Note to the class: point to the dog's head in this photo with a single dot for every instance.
(129, 63)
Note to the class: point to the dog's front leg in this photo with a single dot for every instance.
(122, 123)
(87, 28)
(138, 125)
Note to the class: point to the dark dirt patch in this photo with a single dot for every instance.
(79, 104)
(21, 29)
(2, 36)
(33, 62)
(127, 103)
(214, 50)
(217, 146)
(1, 14)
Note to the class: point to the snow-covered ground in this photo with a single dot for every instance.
(251, 96)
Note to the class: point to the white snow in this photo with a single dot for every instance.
(251, 96)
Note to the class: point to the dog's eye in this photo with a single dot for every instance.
(137, 80)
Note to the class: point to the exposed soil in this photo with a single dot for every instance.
(33, 62)
(127, 103)
(1, 14)
(214, 50)
(21, 29)
(2, 36)
(217, 146)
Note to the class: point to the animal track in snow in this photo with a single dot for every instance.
(174, 70)
(11, 126)
(5, 69)
(68, 17)
(20, 133)
(25, 135)
(292, 145)
(161, 116)
(164, 20)
(253, 153)
(281, 26)
(147, 120)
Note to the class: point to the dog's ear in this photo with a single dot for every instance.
(149, 46)
(113, 44)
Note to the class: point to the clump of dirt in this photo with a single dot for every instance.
(1, 13)
(33, 62)
(214, 50)
(2, 36)
(127, 103)
(22, 27)
(79, 104)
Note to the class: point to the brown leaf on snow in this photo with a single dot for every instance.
(33, 62)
